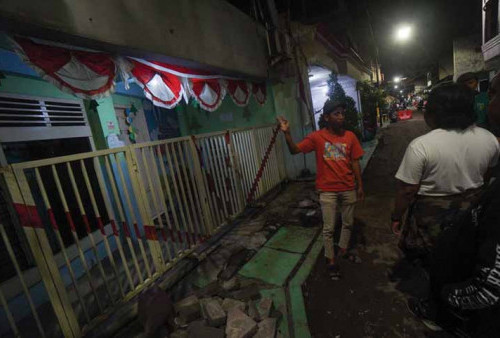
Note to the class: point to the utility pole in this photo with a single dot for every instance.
(377, 65)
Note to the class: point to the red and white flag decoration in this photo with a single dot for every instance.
(259, 92)
(164, 89)
(86, 74)
(239, 92)
(90, 75)
(208, 92)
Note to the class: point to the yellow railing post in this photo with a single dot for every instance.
(144, 209)
(31, 222)
(207, 216)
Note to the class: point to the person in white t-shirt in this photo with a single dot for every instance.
(443, 171)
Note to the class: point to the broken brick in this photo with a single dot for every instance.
(248, 293)
(188, 308)
(213, 312)
(229, 303)
(239, 325)
(267, 328)
(264, 308)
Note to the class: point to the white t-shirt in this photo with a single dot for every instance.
(448, 162)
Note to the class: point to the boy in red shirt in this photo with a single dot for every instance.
(337, 161)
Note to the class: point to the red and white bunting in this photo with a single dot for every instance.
(208, 92)
(162, 88)
(239, 92)
(259, 92)
(90, 75)
(86, 74)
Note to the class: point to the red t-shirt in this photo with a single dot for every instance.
(334, 157)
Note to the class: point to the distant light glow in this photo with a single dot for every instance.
(397, 79)
(403, 33)
(401, 91)
(395, 87)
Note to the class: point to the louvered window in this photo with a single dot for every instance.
(33, 112)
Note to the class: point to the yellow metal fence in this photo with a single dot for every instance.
(105, 224)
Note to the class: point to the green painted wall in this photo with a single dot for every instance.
(107, 116)
(32, 86)
(194, 120)
(287, 104)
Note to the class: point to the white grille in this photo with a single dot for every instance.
(24, 111)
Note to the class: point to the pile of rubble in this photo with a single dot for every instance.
(225, 309)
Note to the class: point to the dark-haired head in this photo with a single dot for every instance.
(469, 79)
(328, 108)
(450, 106)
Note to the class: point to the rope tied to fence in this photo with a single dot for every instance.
(255, 183)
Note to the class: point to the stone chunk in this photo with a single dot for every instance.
(252, 310)
(248, 293)
(213, 312)
(264, 308)
(209, 290)
(179, 334)
(198, 329)
(188, 308)
(305, 204)
(231, 284)
(235, 262)
(239, 325)
(229, 303)
(267, 328)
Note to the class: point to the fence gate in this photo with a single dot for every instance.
(122, 217)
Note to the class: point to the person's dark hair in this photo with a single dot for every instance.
(452, 106)
(466, 77)
(328, 107)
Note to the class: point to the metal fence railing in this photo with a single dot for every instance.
(105, 224)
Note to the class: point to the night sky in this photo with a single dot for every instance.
(435, 24)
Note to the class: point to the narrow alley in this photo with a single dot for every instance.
(245, 168)
(366, 303)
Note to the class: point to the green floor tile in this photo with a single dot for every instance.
(306, 267)
(279, 300)
(270, 266)
(299, 315)
(292, 238)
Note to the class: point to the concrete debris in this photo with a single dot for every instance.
(306, 204)
(229, 303)
(154, 310)
(231, 284)
(252, 310)
(235, 262)
(267, 328)
(239, 325)
(251, 292)
(311, 218)
(256, 241)
(264, 307)
(180, 323)
(209, 290)
(188, 308)
(199, 329)
(213, 312)
(179, 334)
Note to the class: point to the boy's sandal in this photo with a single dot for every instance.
(352, 258)
(334, 272)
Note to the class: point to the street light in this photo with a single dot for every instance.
(403, 33)
(397, 79)
(395, 87)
